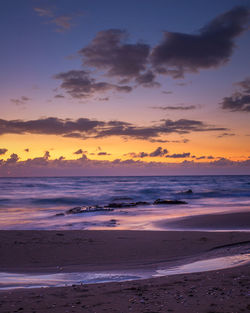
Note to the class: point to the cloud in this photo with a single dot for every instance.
(211, 47)
(86, 128)
(103, 99)
(167, 92)
(178, 107)
(63, 22)
(79, 151)
(59, 96)
(27, 150)
(179, 155)
(147, 79)
(244, 84)
(44, 12)
(20, 101)
(103, 153)
(44, 166)
(3, 151)
(240, 100)
(110, 51)
(158, 152)
(12, 159)
(79, 84)
(225, 135)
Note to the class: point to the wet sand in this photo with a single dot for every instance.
(46, 251)
(218, 221)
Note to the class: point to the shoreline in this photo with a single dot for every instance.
(223, 290)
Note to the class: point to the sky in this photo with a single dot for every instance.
(140, 87)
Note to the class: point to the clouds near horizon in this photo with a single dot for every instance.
(86, 128)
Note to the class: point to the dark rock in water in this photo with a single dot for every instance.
(75, 210)
(60, 214)
(189, 191)
(160, 201)
(142, 203)
(87, 209)
(118, 205)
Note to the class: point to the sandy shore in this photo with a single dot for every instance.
(43, 251)
(218, 221)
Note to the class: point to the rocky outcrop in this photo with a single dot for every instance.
(162, 201)
(87, 209)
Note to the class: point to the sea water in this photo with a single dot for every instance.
(34, 203)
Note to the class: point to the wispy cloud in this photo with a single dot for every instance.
(21, 100)
(63, 22)
(175, 108)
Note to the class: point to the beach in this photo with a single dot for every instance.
(224, 290)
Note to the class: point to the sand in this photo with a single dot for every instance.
(43, 251)
(218, 221)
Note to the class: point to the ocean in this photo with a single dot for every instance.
(42, 203)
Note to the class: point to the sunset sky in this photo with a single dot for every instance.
(142, 87)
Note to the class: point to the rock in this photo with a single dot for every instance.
(87, 209)
(60, 214)
(161, 201)
(75, 210)
(189, 191)
(142, 203)
(118, 205)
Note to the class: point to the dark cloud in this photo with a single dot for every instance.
(158, 152)
(210, 157)
(20, 101)
(46, 155)
(79, 151)
(201, 157)
(103, 153)
(225, 135)
(59, 96)
(79, 84)
(211, 47)
(240, 100)
(3, 151)
(244, 84)
(27, 150)
(85, 128)
(110, 51)
(179, 155)
(12, 159)
(147, 79)
(177, 107)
